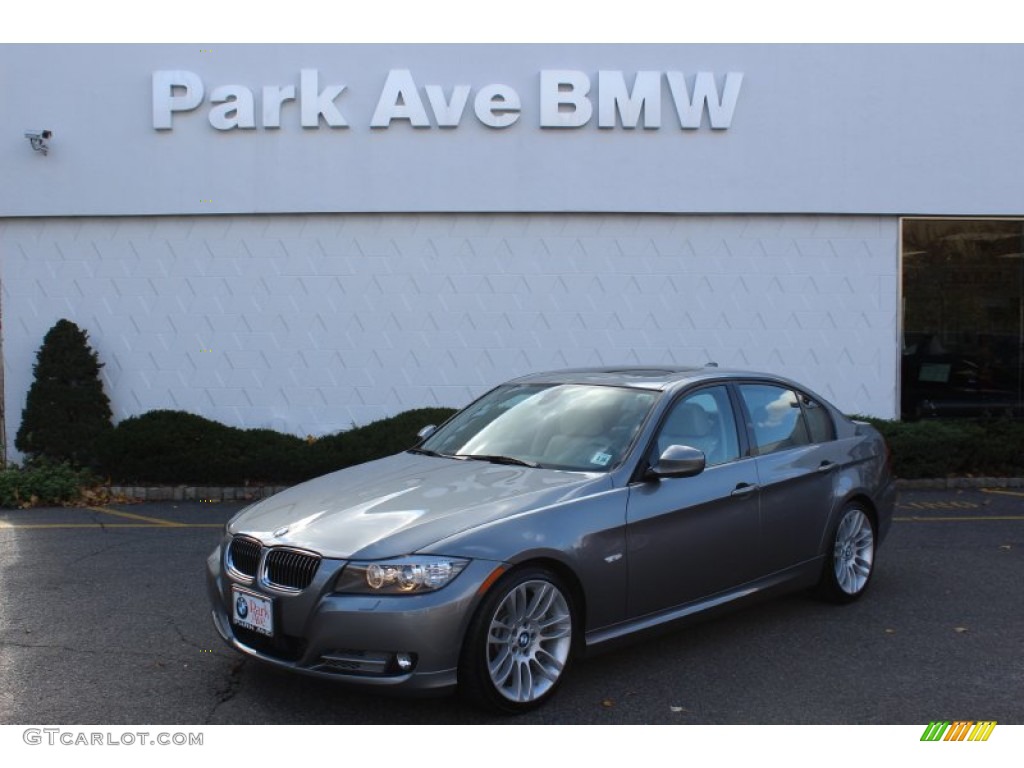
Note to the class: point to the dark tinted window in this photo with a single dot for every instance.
(819, 422)
(963, 329)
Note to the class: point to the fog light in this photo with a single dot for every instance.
(404, 661)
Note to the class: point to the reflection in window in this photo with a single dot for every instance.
(778, 421)
(963, 318)
(558, 426)
(705, 421)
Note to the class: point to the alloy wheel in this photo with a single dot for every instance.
(854, 553)
(529, 640)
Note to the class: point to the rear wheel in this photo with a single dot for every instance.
(851, 559)
(520, 642)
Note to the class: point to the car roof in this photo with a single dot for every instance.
(645, 377)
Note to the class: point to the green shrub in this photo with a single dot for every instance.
(66, 410)
(998, 450)
(174, 447)
(933, 448)
(269, 457)
(374, 440)
(41, 484)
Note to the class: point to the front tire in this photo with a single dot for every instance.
(520, 642)
(851, 559)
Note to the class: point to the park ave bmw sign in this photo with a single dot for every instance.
(567, 99)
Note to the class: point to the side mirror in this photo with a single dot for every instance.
(426, 432)
(677, 461)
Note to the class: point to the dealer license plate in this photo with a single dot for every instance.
(252, 611)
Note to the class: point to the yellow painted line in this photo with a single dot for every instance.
(939, 505)
(24, 526)
(945, 519)
(131, 516)
(1002, 492)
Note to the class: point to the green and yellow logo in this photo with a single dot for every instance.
(958, 730)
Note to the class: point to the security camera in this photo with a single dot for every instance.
(38, 139)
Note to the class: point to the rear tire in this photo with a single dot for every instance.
(851, 557)
(520, 642)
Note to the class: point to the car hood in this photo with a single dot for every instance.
(404, 503)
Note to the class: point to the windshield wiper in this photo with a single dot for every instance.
(497, 459)
(427, 452)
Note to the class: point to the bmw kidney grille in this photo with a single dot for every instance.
(284, 568)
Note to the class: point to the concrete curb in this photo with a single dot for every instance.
(256, 492)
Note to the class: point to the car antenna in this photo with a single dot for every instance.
(711, 364)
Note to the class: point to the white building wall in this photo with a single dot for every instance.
(851, 129)
(312, 323)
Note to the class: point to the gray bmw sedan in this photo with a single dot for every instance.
(558, 514)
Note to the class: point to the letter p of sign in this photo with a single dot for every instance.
(174, 90)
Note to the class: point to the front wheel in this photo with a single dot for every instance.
(851, 559)
(520, 642)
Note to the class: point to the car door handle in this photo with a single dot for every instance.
(826, 466)
(744, 488)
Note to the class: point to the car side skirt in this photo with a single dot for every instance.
(802, 576)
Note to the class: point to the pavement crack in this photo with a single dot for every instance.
(102, 550)
(99, 521)
(65, 648)
(182, 637)
(227, 691)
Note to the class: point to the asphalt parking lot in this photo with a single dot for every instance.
(104, 620)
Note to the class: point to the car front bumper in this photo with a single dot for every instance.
(356, 639)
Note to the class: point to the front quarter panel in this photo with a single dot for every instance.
(584, 537)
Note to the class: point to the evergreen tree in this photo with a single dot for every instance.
(66, 411)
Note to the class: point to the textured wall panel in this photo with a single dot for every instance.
(311, 324)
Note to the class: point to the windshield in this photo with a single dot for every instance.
(561, 426)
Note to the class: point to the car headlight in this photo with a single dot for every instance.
(401, 576)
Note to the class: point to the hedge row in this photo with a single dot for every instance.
(172, 447)
(955, 448)
(178, 448)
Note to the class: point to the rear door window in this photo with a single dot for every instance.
(783, 418)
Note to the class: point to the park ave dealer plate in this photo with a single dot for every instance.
(252, 611)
